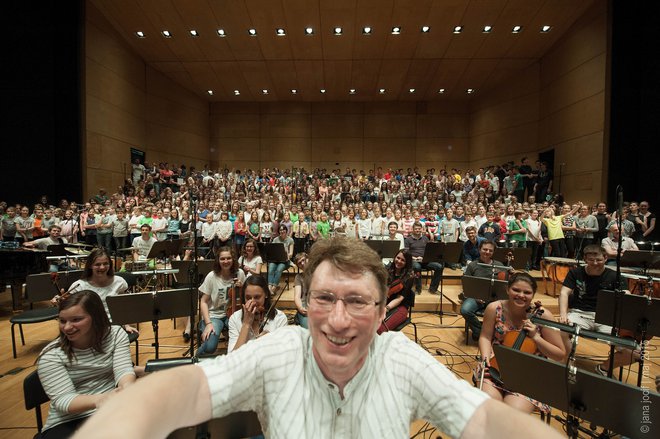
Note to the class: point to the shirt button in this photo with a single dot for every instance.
(338, 412)
(331, 386)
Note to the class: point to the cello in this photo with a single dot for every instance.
(517, 340)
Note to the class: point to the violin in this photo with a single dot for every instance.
(233, 298)
(517, 340)
(509, 258)
(398, 285)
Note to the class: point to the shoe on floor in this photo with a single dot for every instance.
(461, 297)
(600, 371)
(475, 337)
(434, 292)
(186, 337)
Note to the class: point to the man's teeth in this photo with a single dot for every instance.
(338, 340)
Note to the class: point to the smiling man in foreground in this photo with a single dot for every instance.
(336, 380)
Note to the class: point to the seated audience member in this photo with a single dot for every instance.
(339, 360)
(213, 305)
(400, 278)
(256, 318)
(415, 244)
(503, 316)
(579, 294)
(85, 366)
(275, 269)
(250, 261)
(299, 291)
(143, 243)
(611, 244)
(471, 307)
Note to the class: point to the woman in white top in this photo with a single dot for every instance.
(250, 261)
(534, 238)
(85, 366)
(257, 318)
(223, 230)
(99, 276)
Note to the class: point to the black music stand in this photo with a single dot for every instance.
(386, 249)
(640, 258)
(639, 314)
(521, 256)
(484, 289)
(233, 426)
(579, 393)
(143, 307)
(445, 253)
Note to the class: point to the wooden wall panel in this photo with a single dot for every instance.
(337, 150)
(390, 125)
(442, 125)
(235, 125)
(337, 125)
(511, 113)
(581, 118)
(441, 150)
(285, 149)
(239, 148)
(389, 149)
(285, 125)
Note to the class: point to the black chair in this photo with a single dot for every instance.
(34, 396)
(38, 288)
(409, 320)
(130, 279)
(479, 313)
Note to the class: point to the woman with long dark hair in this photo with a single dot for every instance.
(256, 318)
(400, 295)
(84, 366)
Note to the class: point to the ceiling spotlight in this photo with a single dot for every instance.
(487, 29)
(441, 91)
(396, 30)
(366, 30)
(280, 32)
(140, 34)
(546, 28)
(237, 92)
(470, 91)
(264, 91)
(252, 32)
(309, 31)
(381, 91)
(338, 30)
(458, 29)
(294, 91)
(210, 92)
(166, 34)
(322, 91)
(221, 33)
(426, 29)
(194, 33)
(351, 91)
(516, 29)
(411, 90)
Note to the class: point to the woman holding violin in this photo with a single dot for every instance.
(256, 318)
(220, 286)
(507, 322)
(400, 295)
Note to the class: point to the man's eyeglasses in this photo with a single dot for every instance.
(355, 304)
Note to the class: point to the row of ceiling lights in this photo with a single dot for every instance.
(367, 30)
(351, 91)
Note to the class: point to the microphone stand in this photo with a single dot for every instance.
(193, 273)
(617, 288)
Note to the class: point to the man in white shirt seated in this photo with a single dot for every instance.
(143, 243)
(336, 380)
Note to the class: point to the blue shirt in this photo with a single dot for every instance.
(471, 251)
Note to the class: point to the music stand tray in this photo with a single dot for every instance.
(232, 426)
(591, 397)
(170, 304)
(521, 255)
(160, 249)
(390, 248)
(446, 252)
(127, 309)
(275, 252)
(632, 310)
(375, 245)
(481, 288)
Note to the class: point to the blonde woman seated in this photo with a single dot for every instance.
(256, 318)
(87, 364)
(503, 316)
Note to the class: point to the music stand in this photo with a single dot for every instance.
(577, 392)
(232, 426)
(445, 253)
(484, 289)
(386, 249)
(639, 314)
(640, 258)
(275, 252)
(521, 256)
(143, 307)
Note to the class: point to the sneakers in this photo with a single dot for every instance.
(434, 292)
(600, 371)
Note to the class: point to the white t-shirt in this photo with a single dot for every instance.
(143, 247)
(278, 378)
(217, 287)
(236, 323)
(118, 286)
(251, 264)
